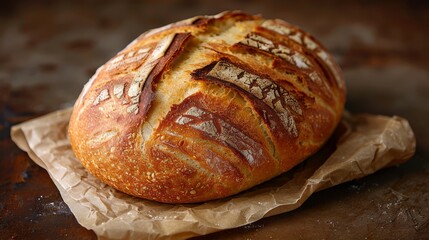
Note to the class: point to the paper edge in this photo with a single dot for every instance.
(19, 138)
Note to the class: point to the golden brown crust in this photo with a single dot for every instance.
(207, 107)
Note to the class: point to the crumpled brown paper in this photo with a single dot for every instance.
(361, 145)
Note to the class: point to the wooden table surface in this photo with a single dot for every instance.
(49, 49)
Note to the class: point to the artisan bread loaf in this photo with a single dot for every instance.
(206, 108)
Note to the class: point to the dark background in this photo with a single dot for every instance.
(49, 49)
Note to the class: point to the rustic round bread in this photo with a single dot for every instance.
(207, 107)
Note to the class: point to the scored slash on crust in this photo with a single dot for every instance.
(104, 95)
(264, 44)
(276, 97)
(143, 72)
(296, 35)
(118, 90)
(222, 131)
(293, 57)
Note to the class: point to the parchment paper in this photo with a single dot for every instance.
(361, 145)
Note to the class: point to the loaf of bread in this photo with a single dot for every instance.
(207, 107)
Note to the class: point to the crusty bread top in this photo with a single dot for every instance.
(207, 107)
